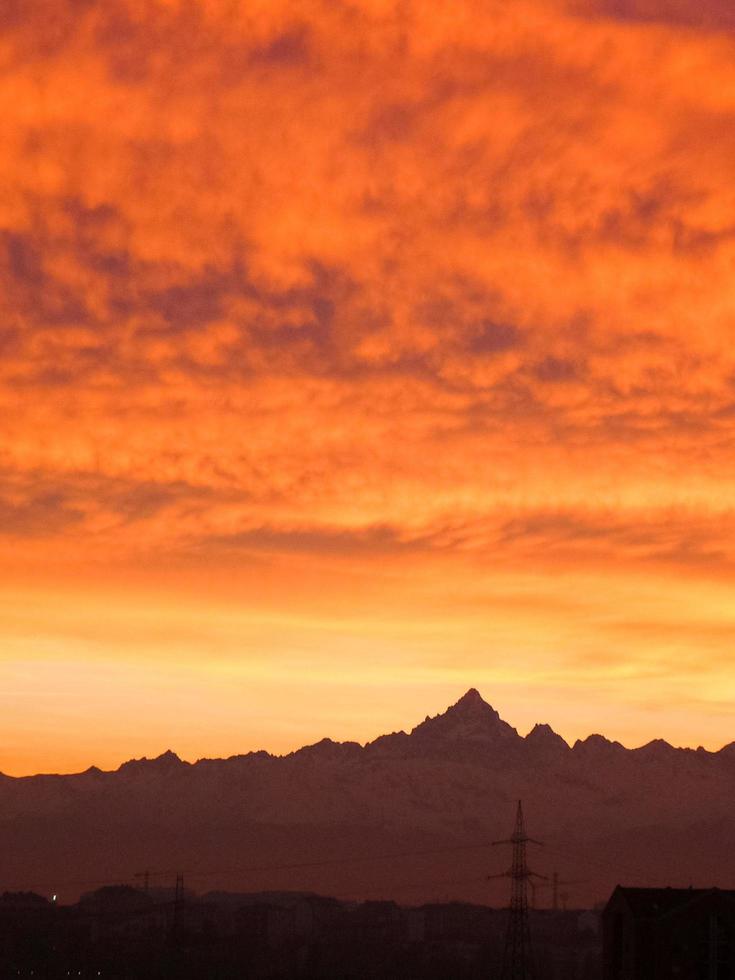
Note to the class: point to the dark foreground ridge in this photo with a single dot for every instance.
(124, 932)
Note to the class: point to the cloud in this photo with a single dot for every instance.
(708, 14)
(373, 541)
(412, 291)
(41, 514)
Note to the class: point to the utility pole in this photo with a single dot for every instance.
(556, 881)
(179, 893)
(518, 954)
(564, 896)
(178, 904)
(145, 877)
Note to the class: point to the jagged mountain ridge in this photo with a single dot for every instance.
(607, 812)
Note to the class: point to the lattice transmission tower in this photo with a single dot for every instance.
(518, 953)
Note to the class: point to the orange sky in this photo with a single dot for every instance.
(356, 353)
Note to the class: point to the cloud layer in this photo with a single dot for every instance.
(376, 289)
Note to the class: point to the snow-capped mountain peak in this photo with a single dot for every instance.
(471, 717)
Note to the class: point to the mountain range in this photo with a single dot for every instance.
(410, 816)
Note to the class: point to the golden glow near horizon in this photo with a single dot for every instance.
(354, 355)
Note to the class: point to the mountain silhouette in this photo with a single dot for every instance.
(470, 718)
(397, 817)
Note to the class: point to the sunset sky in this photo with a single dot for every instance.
(357, 352)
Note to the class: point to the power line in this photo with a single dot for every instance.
(265, 868)
(601, 863)
(148, 876)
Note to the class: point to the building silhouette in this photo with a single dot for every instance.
(669, 933)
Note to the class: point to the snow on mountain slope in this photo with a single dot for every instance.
(655, 814)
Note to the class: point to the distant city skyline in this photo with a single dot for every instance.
(355, 354)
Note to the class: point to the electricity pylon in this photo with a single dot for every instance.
(518, 954)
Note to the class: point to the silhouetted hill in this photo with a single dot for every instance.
(409, 816)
